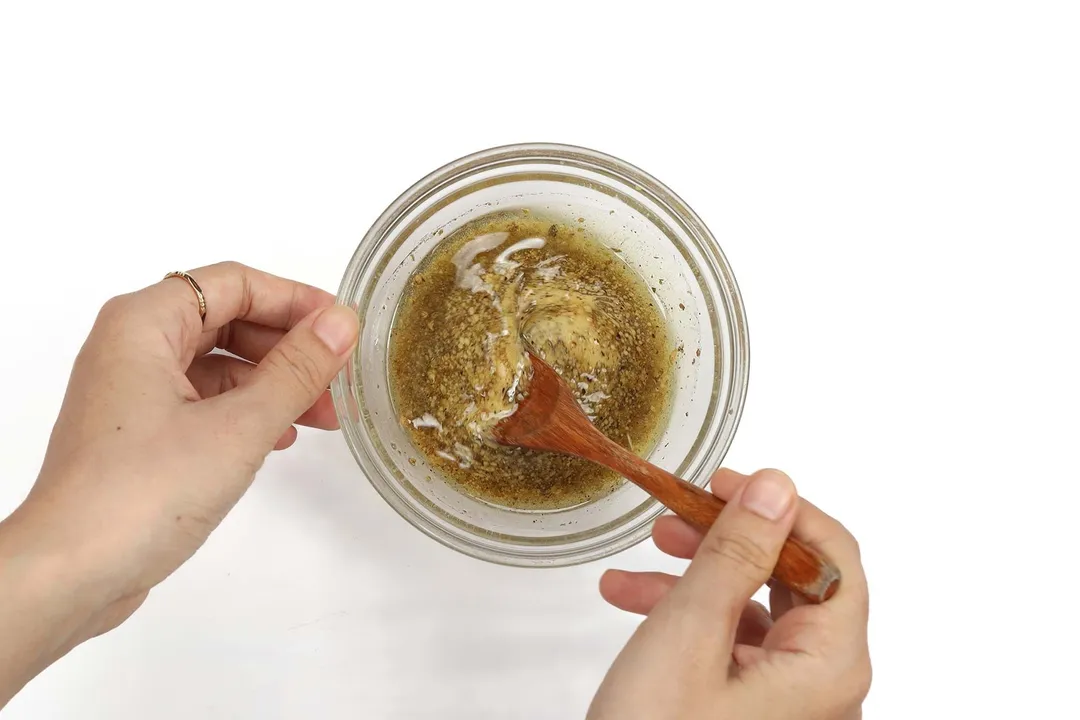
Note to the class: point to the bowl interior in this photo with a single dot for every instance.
(702, 315)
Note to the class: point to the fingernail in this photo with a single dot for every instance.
(769, 494)
(337, 327)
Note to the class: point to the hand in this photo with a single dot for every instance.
(706, 651)
(155, 442)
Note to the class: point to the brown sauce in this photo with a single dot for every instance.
(457, 363)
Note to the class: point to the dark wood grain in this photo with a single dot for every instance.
(548, 418)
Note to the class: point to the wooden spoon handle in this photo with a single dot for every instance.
(550, 419)
(800, 567)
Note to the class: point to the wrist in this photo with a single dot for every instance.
(52, 552)
(49, 599)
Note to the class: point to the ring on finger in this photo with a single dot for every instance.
(194, 286)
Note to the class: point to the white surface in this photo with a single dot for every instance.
(897, 189)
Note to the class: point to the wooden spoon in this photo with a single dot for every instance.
(548, 418)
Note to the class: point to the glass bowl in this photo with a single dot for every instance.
(657, 234)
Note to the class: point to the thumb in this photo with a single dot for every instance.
(741, 549)
(296, 372)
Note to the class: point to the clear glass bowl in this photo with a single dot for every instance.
(658, 235)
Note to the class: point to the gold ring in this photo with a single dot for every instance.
(194, 286)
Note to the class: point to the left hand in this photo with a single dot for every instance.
(155, 442)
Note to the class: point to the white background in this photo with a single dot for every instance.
(897, 187)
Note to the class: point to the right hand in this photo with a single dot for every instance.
(707, 651)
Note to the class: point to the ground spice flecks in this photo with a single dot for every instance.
(457, 362)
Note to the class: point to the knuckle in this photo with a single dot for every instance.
(740, 550)
(113, 309)
(302, 367)
(239, 275)
(231, 266)
(120, 319)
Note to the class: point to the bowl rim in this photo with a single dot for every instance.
(621, 171)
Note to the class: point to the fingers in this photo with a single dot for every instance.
(725, 483)
(740, 551)
(753, 628)
(675, 537)
(232, 292)
(635, 592)
(286, 440)
(754, 625)
(296, 372)
(237, 292)
(212, 375)
(640, 592)
(821, 531)
(246, 339)
(747, 656)
(848, 609)
(781, 600)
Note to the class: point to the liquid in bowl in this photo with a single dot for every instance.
(498, 285)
